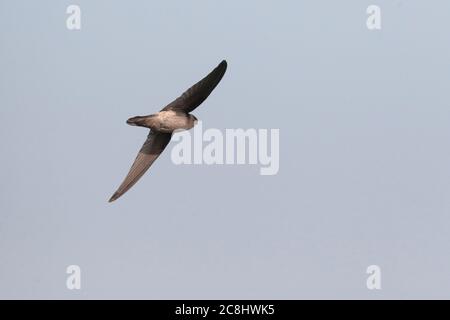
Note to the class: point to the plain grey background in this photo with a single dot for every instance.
(364, 174)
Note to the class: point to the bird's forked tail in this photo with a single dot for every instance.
(138, 121)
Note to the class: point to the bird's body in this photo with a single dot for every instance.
(174, 116)
(165, 121)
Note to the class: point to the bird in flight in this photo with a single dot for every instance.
(176, 115)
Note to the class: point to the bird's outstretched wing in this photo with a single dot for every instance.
(155, 144)
(196, 94)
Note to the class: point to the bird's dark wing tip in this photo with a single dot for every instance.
(224, 63)
(114, 197)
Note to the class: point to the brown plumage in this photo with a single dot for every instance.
(162, 124)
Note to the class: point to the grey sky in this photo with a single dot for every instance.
(364, 173)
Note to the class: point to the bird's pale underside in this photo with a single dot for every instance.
(176, 115)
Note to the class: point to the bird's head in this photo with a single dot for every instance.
(193, 119)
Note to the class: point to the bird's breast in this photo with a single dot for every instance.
(169, 121)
